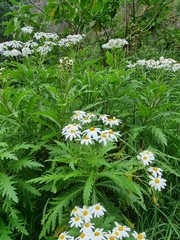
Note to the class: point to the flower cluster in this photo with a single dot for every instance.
(41, 42)
(115, 43)
(165, 63)
(65, 62)
(157, 182)
(86, 136)
(82, 219)
(70, 40)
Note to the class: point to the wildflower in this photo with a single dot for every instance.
(87, 213)
(30, 44)
(27, 29)
(87, 227)
(113, 135)
(76, 222)
(115, 43)
(64, 236)
(157, 182)
(110, 236)
(98, 210)
(14, 53)
(91, 115)
(103, 117)
(155, 171)
(146, 157)
(85, 120)
(139, 236)
(44, 50)
(78, 115)
(76, 211)
(26, 51)
(123, 230)
(85, 236)
(86, 140)
(112, 121)
(72, 134)
(103, 138)
(92, 132)
(14, 44)
(98, 234)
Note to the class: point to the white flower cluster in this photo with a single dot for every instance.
(166, 63)
(115, 43)
(65, 62)
(157, 182)
(42, 42)
(70, 40)
(89, 136)
(81, 218)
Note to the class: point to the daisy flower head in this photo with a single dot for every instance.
(98, 234)
(103, 117)
(76, 211)
(87, 213)
(123, 230)
(27, 29)
(85, 236)
(86, 120)
(139, 236)
(157, 182)
(78, 115)
(113, 135)
(86, 140)
(146, 157)
(103, 138)
(110, 236)
(98, 210)
(112, 121)
(155, 171)
(87, 227)
(92, 132)
(76, 221)
(64, 236)
(72, 134)
(91, 115)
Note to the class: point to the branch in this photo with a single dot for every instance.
(36, 6)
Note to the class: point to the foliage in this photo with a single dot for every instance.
(44, 175)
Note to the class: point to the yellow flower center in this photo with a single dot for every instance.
(86, 138)
(86, 224)
(140, 236)
(74, 124)
(92, 129)
(110, 132)
(86, 118)
(77, 219)
(73, 131)
(97, 207)
(85, 212)
(82, 235)
(147, 152)
(157, 180)
(62, 237)
(155, 169)
(111, 238)
(75, 209)
(121, 228)
(145, 158)
(114, 119)
(103, 135)
(116, 233)
(96, 234)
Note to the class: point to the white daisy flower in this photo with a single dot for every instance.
(146, 157)
(98, 210)
(64, 236)
(157, 182)
(27, 29)
(139, 236)
(26, 51)
(103, 138)
(86, 140)
(31, 44)
(76, 222)
(87, 227)
(72, 134)
(14, 53)
(87, 213)
(85, 236)
(123, 230)
(98, 234)
(78, 115)
(92, 132)
(103, 117)
(76, 211)
(113, 121)
(44, 50)
(155, 171)
(85, 120)
(113, 135)
(110, 236)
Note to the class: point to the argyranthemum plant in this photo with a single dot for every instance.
(89, 225)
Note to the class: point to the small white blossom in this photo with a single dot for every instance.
(157, 182)
(155, 171)
(27, 29)
(139, 236)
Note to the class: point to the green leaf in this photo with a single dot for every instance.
(6, 186)
(158, 134)
(88, 188)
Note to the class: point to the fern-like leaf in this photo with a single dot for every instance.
(88, 188)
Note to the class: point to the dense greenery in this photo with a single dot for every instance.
(43, 175)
